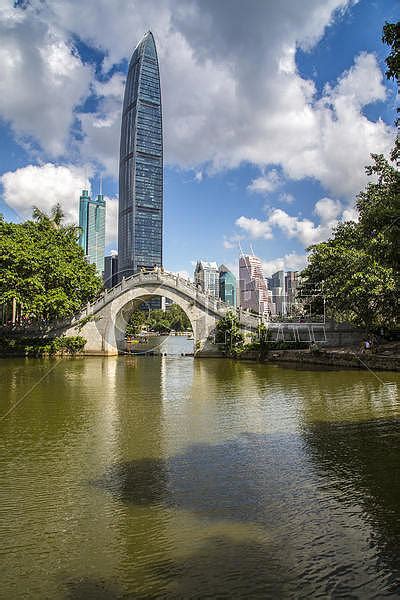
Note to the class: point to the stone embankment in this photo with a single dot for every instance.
(385, 358)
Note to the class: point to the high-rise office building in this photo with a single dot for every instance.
(276, 284)
(141, 164)
(291, 284)
(110, 275)
(92, 223)
(227, 286)
(206, 276)
(252, 285)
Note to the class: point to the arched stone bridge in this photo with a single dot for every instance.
(103, 323)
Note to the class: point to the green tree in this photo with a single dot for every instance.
(228, 333)
(174, 318)
(358, 267)
(43, 267)
(391, 37)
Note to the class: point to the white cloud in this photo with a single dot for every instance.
(230, 86)
(289, 262)
(327, 209)
(350, 214)
(42, 78)
(303, 229)
(294, 227)
(266, 183)
(43, 186)
(287, 198)
(111, 220)
(255, 227)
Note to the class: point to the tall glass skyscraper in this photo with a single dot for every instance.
(141, 164)
(93, 228)
(227, 286)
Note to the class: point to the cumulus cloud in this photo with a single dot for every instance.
(294, 227)
(268, 182)
(42, 78)
(231, 89)
(43, 186)
(255, 228)
(327, 209)
(289, 262)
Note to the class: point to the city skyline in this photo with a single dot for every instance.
(265, 145)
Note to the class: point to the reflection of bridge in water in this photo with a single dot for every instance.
(103, 323)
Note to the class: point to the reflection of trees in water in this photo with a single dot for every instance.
(363, 460)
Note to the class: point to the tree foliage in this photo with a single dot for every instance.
(43, 267)
(172, 319)
(391, 37)
(358, 267)
(229, 333)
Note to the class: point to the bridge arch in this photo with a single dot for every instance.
(103, 324)
(131, 300)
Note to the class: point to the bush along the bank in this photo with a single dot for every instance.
(263, 347)
(38, 347)
(228, 333)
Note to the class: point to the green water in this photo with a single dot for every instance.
(168, 477)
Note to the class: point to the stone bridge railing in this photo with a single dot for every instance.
(167, 280)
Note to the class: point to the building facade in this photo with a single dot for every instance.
(206, 277)
(140, 219)
(92, 223)
(227, 286)
(291, 285)
(110, 275)
(252, 286)
(276, 284)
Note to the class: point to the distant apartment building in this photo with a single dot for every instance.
(206, 276)
(252, 286)
(291, 285)
(93, 228)
(110, 275)
(276, 284)
(227, 286)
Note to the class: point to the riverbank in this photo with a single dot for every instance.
(385, 358)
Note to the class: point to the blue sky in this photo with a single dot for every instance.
(270, 113)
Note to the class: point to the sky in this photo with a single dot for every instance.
(270, 113)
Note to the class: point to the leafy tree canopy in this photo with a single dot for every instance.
(43, 267)
(174, 318)
(358, 267)
(228, 333)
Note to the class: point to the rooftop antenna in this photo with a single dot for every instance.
(252, 251)
(101, 184)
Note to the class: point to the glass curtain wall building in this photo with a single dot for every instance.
(206, 276)
(93, 228)
(140, 219)
(227, 286)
